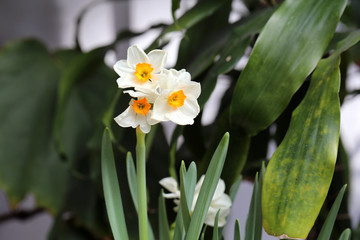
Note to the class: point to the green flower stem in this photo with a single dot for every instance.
(141, 179)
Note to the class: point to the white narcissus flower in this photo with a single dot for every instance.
(220, 199)
(177, 100)
(140, 70)
(137, 114)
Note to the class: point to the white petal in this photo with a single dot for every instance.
(150, 120)
(210, 217)
(223, 202)
(190, 88)
(141, 120)
(168, 81)
(170, 184)
(183, 76)
(199, 184)
(145, 127)
(122, 68)
(185, 114)
(179, 117)
(161, 108)
(136, 55)
(220, 189)
(126, 81)
(143, 93)
(127, 118)
(157, 59)
(191, 107)
(171, 195)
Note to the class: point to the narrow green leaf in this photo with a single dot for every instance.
(207, 190)
(234, 188)
(179, 231)
(330, 220)
(111, 190)
(164, 230)
(216, 228)
(299, 174)
(346, 234)
(254, 220)
(237, 235)
(190, 183)
(183, 199)
(286, 52)
(132, 181)
(187, 189)
(202, 237)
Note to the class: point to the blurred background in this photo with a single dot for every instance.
(54, 23)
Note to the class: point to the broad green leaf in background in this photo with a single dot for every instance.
(79, 92)
(195, 43)
(28, 159)
(189, 19)
(233, 49)
(299, 174)
(111, 190)
(237, 152)
(207, 190)
(286, 52)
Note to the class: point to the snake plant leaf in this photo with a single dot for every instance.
(208, 187)
(286, 52)
(330, 220)
(111, 190)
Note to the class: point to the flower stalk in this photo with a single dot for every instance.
(141, 179)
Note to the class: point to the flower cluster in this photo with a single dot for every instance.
(158, 94)
(220, 201)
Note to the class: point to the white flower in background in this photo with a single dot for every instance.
(140, 70)
(137, 114)
(220, 199)
(177, 100)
